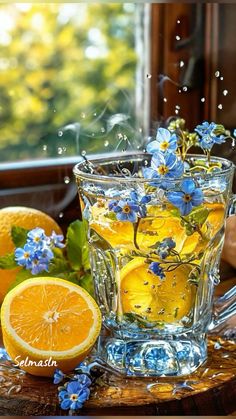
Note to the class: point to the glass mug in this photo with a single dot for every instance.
(154, 270)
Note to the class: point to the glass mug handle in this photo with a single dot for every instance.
(225, 306)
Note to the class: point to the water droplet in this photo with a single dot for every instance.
(59, 150)
(178, 22)
(185, 89)
(61, 215)
(217, 74)
(60, 133)
(83, 153)
(180, 91)
(149, 76)
(95, 114)
(177, 106)
(103, 129)
(225, 92)
(140, 130)
(45, 147)
(181, 63)
(176, 111)
(106, 143)
(54, 110)
(165, 99)
(203, 99)
(93, 134)
(64, 149)
(82, 115)
(221, 78)
(66, 179)
(177, 38)
(220, 106)
(233, 142)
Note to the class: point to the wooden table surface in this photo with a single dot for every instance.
(209, 391)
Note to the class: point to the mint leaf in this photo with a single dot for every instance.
(86, 282)
(77, 245)
(199, 215)
(8, 261)
(19, 236)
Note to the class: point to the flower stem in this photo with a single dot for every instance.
(136, 225)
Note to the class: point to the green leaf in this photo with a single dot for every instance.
(219, 129)
(19, 236)
(86, 282)
(8, 261)
(77, 245)
(199, 215)
(141, 321)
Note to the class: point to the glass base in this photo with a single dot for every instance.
(170, 356)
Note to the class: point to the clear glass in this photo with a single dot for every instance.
(155, 324)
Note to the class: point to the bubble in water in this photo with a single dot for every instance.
(149, 76)
(83, 153)
(203, 99)
(165, 99)
(60, 133)
(45, 147)
(66, 179)
(103, 129)
(59, 150)
(82, 115)
(185, 89)
(61, 215)
(217, 345)
(225, 92)
(106, 143)
(220, 106)
(181, 63)
(217, 74)
(177, 38)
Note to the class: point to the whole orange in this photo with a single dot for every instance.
(25, 217)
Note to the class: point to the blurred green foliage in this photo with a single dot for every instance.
(67, 65)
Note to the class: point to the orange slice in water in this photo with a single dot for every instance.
(145, 294)
(49, 319)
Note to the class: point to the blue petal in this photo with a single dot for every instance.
(63, 393)
(73, 387)
(117, 208)
(75, 405)
(170, 160)
(188, 186)
(145, 199)
(186, 208)
(163, 135)
(134, 196)
(149, 173)
(65, 404)
(197, 197)
(121, 216)
(84, 395)
(157, 160)
(176, 198)
(153, 147)
(132, 217)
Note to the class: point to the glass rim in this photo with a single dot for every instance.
(128, 156)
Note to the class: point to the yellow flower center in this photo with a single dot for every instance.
(162, 170)
(126, 209)
(74, 397)
(187, 198)
(164, 145)
(26, 255)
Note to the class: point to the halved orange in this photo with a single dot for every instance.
(145, 294)
(49, 319)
